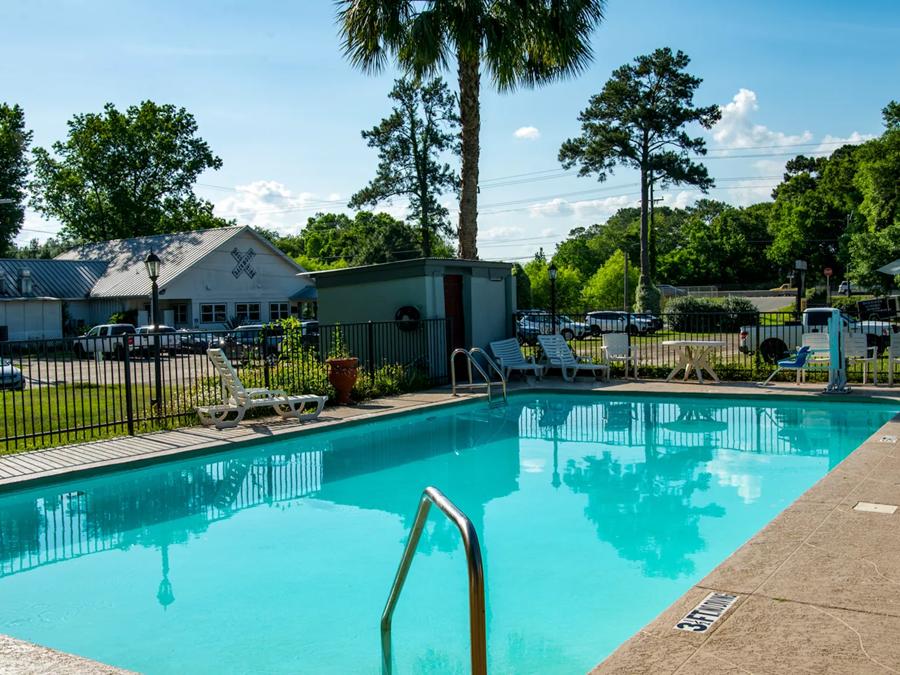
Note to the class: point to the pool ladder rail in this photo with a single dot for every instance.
(477, 630)
(470, 361)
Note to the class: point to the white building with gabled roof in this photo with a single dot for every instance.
(207, 277)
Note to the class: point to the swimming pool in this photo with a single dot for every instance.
(595, 512)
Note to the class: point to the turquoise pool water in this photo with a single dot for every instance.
(594, 514)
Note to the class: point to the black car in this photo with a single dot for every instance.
(254, 339)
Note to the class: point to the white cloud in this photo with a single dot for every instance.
(680, 199)
(527, 133)
(596, 209)
(737, 129)
(499, 232)
(554, 208)
(270, 204)
(831, 143)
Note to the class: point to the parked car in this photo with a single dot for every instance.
(783, 287)
(259, 339)
(10, 376)
(193, 341)
(773, 342)
(669, 291)
(539, 322)
(169, 339)
(109, 339)
(618, 322)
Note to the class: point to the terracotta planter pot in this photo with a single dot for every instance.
(342, 374)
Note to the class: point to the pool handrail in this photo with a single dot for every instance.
(470, 359)
(477, 630)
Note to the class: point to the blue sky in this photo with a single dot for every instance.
(276, 100)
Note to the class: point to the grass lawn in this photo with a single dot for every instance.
(54, 413)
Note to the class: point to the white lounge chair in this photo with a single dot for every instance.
(893, 356)
(509, 355)
(558, 355)
(819, 353)
(856, 348)
(616, 348)
(238, 399)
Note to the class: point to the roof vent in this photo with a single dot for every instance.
(25, 283)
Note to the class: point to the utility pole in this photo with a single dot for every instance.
(652, 232)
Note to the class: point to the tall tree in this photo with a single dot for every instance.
(410, 141)
(639, 120)
(516, 43)
(14, 142)
(126, 174)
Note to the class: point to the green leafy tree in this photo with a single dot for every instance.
(336, 240)
(604, 290)
(410, 141)
(586, 249)
(515, 43)
(126, 174)
(719, 244)
(36, 249)
(891, 115)
(523, 287)
(14, 142)
(568, 285)
(639, 120)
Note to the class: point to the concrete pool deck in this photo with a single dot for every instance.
(818, 587)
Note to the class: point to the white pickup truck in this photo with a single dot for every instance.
(775, 341)
(109, 339)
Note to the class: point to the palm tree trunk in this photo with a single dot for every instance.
(470, 121)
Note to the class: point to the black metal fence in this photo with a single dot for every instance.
(743, 345)
(64, 391)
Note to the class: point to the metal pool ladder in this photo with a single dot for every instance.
(477, 632)
(470, 359)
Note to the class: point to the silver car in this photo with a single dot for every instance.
(10, 376)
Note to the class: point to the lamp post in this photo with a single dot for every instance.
(152, 263)
(552, 271)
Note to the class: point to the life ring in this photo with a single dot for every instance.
(408, 318)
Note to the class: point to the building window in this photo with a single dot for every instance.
(181, 314)
(279, 310)
(247, 311)
(212, 313)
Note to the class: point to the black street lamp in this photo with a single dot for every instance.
(153, 262)
(552, 271)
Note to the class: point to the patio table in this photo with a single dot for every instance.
(693, 356)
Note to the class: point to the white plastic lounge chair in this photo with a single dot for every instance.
(796, 362)
(893, 356)
(509, 355)
(856, 348)
(819, 352)
(558, 355)
(238, 399)
(616, 348)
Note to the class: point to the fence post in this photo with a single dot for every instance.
(129, 402)
(157, 371)
(265, 354)
(370, 347)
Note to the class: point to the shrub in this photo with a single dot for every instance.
(708, 315)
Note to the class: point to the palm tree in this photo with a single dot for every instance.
(517, 42)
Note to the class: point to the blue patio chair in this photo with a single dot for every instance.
(796, 362)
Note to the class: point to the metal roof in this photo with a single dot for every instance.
(65, 279)
(891, 268)
(126, 274)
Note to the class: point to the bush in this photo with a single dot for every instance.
(848, 304)
(690, 314)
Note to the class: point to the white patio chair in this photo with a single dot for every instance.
(893, 356)
(239, 399)
(819, 352)
(616, 348)
(509, 355)
(558, 355)
(856, 349)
